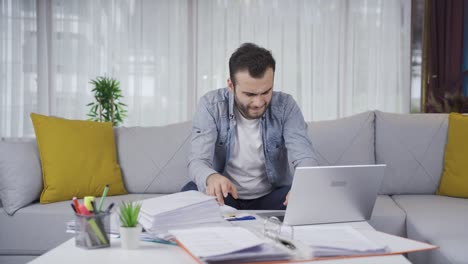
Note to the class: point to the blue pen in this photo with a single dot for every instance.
(160, 241)
(109, 208)
(242, 218)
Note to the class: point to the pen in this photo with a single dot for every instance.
(87, 202)
(98, 221)
(77, 205)
(97, 230)
(160, 241)
(242, 218)
(104, 194)
(286, 243)
(109, 208)
(93, 206)
(73, 207)
(83, 210)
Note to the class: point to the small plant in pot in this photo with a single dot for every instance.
(107, 105)
(129, 228)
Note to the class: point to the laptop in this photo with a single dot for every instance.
(332, 194)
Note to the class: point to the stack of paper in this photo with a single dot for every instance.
(228, 245)
(179, 210)
(337, 241)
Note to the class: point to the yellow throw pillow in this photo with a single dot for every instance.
(454, 181)
(78, 158)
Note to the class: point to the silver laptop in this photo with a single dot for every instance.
(333, 194)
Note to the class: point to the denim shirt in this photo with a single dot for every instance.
(283, 130)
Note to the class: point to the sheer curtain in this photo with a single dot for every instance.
(336, 57)
(18, 67)
(51, 50)
(141, 43)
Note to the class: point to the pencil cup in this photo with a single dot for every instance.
(92, 231)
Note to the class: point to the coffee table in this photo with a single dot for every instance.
(160, 253)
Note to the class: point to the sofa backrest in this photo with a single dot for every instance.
(154, 159)
(344, 141)
(412, 146)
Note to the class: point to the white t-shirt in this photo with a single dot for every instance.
(246, 166)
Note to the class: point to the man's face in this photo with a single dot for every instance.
(252, 95)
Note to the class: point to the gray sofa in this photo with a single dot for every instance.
(153, 162)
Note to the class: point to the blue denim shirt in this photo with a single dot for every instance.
(283, 130)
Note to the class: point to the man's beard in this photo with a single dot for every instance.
(244, 110)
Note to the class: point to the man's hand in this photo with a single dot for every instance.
(286, 201)
(219, 186)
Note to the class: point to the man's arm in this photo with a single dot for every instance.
(296, 137)
(204, 134)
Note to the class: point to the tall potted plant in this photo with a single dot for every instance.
(129, 228)
(107, 105)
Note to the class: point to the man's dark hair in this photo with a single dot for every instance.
(253, 58)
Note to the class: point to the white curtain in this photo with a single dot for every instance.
(51, 50)
(336, 57)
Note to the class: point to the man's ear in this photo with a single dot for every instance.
(230, 85)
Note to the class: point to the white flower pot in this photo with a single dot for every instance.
(130, 237)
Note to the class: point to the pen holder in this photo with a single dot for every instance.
(92, 231)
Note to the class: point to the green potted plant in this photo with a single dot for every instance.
(107, 105)
(129, 228)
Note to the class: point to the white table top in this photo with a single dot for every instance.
(155, 252)
(158, 253)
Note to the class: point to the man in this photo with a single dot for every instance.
(242, 136)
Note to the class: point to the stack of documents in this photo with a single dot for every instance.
(228, 245)
(337, 241)
(179, 210)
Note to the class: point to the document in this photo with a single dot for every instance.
(169, 203)
(235, 244)
(228, 244)
(212, 241)
(178, 211)
(328, 241)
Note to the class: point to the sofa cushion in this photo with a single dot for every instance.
(388, 217)
(454, 180)
(345, 141)
(154, 159)
(20, 174)
(37, 228)
(412, 146)
(78, 158)
(437, 220)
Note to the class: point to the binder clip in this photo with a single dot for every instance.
(274, 229)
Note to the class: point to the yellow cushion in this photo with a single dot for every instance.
(454, 181)
(78, 158)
